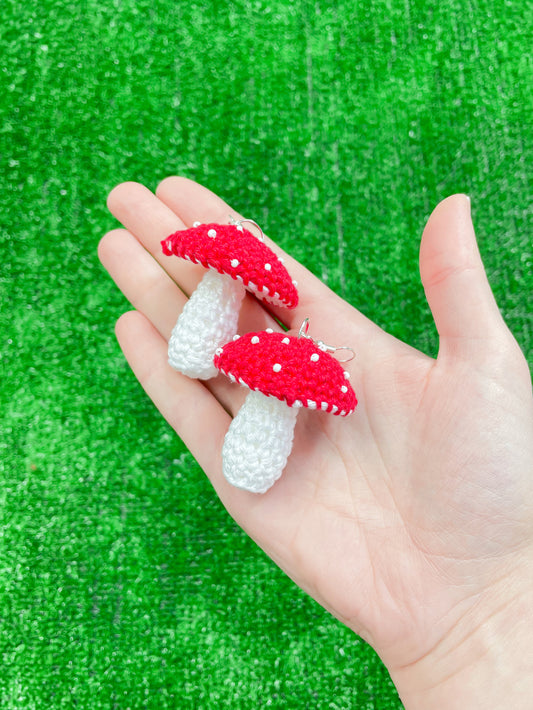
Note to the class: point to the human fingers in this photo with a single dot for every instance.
(188, 406)
(455, 281)
(150, 221)
(183, 402)
(192, 201)
(152, 292)
(141, 279)
(150, 289)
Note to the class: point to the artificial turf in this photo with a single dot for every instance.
(338, 126)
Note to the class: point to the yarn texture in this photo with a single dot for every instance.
(235, 251)
(284, 373)
(291, 369)
(258, 443)
(208, 319)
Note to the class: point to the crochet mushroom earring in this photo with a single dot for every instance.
(285, 373)
(237, 261)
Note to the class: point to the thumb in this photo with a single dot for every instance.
(454, 278)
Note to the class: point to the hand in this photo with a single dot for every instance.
(411, 520)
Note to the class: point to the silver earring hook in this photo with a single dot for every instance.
(240, 222)
(302, 333)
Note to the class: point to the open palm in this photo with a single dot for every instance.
(402, 517)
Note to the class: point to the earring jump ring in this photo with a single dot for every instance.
(240, 222)
(303, 333)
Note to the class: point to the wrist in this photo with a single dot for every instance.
(486, 659)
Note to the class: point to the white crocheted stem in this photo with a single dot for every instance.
(208, 321)
(258, 443)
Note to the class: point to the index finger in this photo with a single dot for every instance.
(191, 201)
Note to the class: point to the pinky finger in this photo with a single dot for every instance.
(187, 405)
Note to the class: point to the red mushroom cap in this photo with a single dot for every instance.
(292, 369)
(233, 250)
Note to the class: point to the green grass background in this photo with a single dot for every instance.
(337, 125)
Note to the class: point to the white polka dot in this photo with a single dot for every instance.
(324, 406)
(346, 375)
(344, 389)
(218, 351)
(281, 260)
(240, 228)
(196, 224)
(315, 357)
(311, 404)
(212, 233)
(234, 263)
(254, 340)
(236, 337)
(286, 341)
(267, 267)
(295, 283)
(269, 330)
(277, 367)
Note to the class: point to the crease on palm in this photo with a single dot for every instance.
(369, 508)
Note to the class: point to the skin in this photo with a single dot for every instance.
(412, 520)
